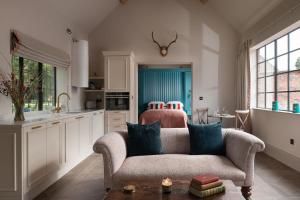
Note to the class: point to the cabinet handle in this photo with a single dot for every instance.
(55, 123)
(79, 117)
(36, 127)
(95, 114)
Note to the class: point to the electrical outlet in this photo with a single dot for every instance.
(292, 141)
(200, 98)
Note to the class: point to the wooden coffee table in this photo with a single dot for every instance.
(146, 190)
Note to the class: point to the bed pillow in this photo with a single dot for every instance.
(206, 139)
(144, 139)
(156, 105)
(176, 105)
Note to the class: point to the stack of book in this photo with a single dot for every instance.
(206, 185)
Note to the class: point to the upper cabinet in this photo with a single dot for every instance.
(80, 64)
(118, 67)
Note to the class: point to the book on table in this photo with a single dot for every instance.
(206, 185)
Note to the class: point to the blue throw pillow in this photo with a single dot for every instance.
(143, 139)
(206, 139)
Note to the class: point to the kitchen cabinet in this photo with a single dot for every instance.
(117, 71)
(55, 145)
(116, 120)
(97, 125)
(72, 140)
(35, 154)
(85, 135)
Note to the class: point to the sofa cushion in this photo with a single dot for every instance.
(206, 139)
(176, 166)
(143, 139)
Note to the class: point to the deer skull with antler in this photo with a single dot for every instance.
(164, 49)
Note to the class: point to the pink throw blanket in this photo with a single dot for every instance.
(168, 118)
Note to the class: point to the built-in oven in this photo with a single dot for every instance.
(117, 100)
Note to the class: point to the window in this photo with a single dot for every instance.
(278, 72)
(45, 97)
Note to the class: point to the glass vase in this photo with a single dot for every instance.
(19, 113)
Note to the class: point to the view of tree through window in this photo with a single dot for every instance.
(25, 69)
(278, 72)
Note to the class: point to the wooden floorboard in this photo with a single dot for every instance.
(273, 181)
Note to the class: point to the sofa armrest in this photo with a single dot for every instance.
(113, 148)
(241, 148)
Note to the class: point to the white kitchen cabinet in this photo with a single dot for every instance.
(35, 159)
(117, 73)
(97, 125)
(35, 154)
(118, 68)
(116, 120)
(85, 135)
(55, 137)
(72, 140)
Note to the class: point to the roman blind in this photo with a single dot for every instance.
(28, 47)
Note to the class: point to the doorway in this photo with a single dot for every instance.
(165, 83)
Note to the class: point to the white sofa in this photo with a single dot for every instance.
(176, 163)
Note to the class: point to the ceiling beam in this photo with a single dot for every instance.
(203, 1)
(123, 1)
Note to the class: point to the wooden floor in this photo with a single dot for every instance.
(273, 181)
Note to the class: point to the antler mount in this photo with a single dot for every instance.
(164, 49)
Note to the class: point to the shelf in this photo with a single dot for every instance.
(94, 90)
(96, 77)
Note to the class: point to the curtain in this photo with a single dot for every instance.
(243, 77)
(243, 81)
(30, 48)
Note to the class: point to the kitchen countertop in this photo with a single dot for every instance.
(46, 117)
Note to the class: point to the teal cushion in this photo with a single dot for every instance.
(143, 139)
(206, 139)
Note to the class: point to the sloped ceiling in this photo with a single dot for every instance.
(85, 13)
(242, 14)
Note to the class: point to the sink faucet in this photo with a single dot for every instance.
(58, 107)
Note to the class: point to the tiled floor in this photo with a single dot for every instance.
(273, 181)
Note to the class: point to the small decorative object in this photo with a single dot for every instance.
(92, 85)
(129, 189)
(166, 185)
(18, 91)
(164, 49)
(275, 106)
(296, 108)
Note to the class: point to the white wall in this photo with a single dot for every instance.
(276, 129)
(205, 40)
(36, 19)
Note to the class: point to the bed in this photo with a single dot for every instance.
(169, 118)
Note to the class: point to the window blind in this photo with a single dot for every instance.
(28, 47)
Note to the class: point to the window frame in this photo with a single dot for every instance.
(40, 98)
(276, 73)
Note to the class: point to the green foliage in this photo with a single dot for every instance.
(31, 70)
